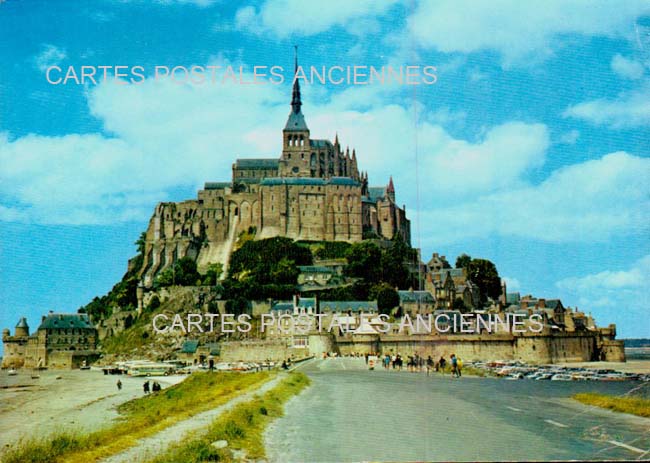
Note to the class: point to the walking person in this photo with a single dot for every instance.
(454, 366)
(119, 385)
(145, 387)
(459, 367)
(429, 365)
(442, 364)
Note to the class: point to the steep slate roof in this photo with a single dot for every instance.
(307, 302)
(344, 306)
(190, 346)
(216, 185)
(453, 272)
(320, 143)
(296, 122)
(213, 348)
(283, 306)
(64, 320)
(22, 323)
(315, 269)
(513, 298)
(415, 296)
(553, 303)
(309, 181)
(343, 181)
(260, 163)
(376, 192)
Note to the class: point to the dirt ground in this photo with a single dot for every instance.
(79, 399)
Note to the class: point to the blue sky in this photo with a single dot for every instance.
(532, 149)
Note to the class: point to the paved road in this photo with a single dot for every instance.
(352, 414)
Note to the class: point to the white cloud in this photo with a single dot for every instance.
(50, 55)
(630, 109)
(283, 18)
(586, 202)
(614, 294)
(164, 136)
(518, 29)
(167, 135)
(627, 68)
(636, 277)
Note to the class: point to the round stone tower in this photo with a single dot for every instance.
(22, 329)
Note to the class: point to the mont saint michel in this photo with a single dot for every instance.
(314, 191)
(305, 233)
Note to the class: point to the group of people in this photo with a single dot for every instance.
(155, 387)
(286, 364)
(419, 363)
(146, 387)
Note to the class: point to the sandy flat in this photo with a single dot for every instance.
(80, 400)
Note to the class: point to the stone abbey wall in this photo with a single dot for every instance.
(570, 347)
(258, 351)
(575, 347)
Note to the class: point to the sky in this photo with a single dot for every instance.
(532, 148)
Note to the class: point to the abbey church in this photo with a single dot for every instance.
(314, 191)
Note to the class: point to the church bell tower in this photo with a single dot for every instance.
(295, 160)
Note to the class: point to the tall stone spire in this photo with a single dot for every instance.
(296, 103)
(296, 121)
(390, 190)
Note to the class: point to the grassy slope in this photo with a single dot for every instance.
(141, 417)
(633, 405)
(242, 427)
(140, 339)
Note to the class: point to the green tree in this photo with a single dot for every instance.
(260, 259)
(394, 270)
(285, 272)
(364, 261)
(140, 242)
(459, 304)
(164, 278)
(237, 306)
(182, 273)
(463, 261)
(484, 274)
(154, 303)
(186, 272)
(387, 298)
(213, 274)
